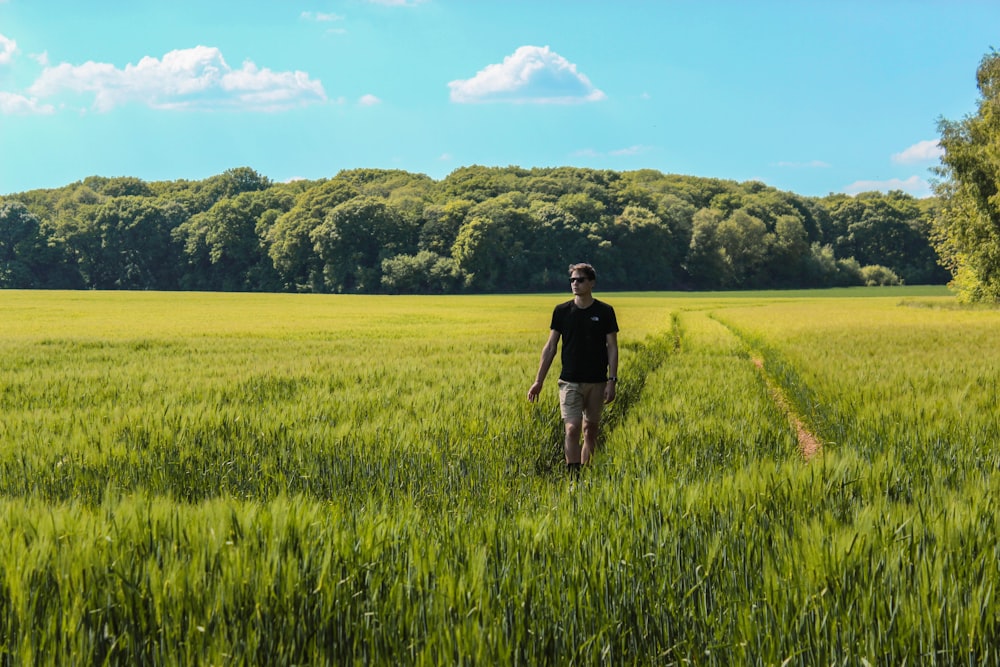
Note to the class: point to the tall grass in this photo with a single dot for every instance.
(235, 479)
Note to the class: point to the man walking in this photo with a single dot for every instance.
(589, 332)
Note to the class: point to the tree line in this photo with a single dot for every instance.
(479, 229)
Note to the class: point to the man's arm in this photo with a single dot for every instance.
(611, 387)
(548, 354)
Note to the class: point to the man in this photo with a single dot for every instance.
(589, 332)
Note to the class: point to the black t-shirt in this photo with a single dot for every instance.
(584, 336)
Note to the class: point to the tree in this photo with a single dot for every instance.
(289, 240)
(626, 193)
(584, 208)
(705, 262)
(879, 276)
(745, 244)
(26, 259)
(423, 273)
(355, 238)
(387, 183)
(441, 225)
(480, 183)
(557, 239)
(235, 181)
(887, 230)
(967, 228)
(770, 205)
(678, 215)
(820, 266)
(790, 251)
(126, 243)
(645, 247)
(493, 246)
(123, 186)
(225, 247)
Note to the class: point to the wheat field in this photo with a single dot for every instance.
(318, 479)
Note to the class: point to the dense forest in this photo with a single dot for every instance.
(480, 229)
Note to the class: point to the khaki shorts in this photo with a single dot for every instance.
(581, 400)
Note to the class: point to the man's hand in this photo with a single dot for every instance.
(534, 391)
(609, 390)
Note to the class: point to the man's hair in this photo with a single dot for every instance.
(585, 269)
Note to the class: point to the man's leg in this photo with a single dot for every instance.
(572, 445)
(593, 407)
(590, 431)
(571, 407)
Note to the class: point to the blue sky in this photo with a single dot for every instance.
(808, 96)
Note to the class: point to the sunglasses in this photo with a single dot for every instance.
(578, 280)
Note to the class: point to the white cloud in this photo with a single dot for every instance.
(11, 104)
(631, 150)
(532, 74)
(8, 47)
(15, 103)
(913, 185)
(618, 152)
(41, 58)
(923, 151)
(397, 3)
(369, 100)
(445, 157)
(812, 164)
(320, 17)
(183, 79)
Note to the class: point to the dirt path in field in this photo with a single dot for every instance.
(809, 444)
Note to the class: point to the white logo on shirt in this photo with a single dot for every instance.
(595, 318)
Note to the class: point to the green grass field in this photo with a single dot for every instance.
(306, 479)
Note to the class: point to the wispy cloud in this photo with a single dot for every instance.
(923, 151)
(631, 150)
(532, 74)
(811, 164)
(8, 47)
(320, 17)
(14, 104)
(397, 3)
(369, 100)
(327, 18)
(617, 152)
(197, 78)
(914, 185)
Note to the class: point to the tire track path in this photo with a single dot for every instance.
(809, 445)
